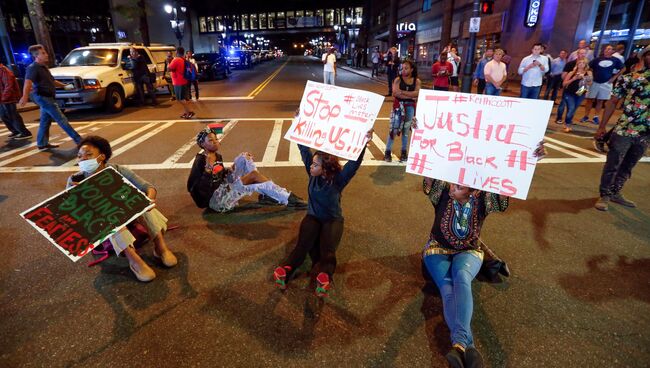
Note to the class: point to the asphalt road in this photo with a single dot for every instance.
(579, 294)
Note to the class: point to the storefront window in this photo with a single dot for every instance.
(254, 23)
(218, 22)
(329, 17)
(263, 21)
(271, 20)
(235, 22)
(319, 18)
(358, 15)
(202, 25)
(280, 21)
(244, 22)
(210, 24)
(291, 19)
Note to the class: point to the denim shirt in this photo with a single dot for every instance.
(479, 72)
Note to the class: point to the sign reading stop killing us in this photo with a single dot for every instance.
(335, 119)
(483, 142)
(82, 217)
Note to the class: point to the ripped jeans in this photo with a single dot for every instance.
(227, 196)
(453, 274)
(400, 123)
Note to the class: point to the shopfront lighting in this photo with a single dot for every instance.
(168, 9)
(348, 20)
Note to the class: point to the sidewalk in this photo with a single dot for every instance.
(28, 107)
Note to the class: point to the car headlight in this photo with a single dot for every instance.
(91, 84)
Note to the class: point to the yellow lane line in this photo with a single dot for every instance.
(268, 80)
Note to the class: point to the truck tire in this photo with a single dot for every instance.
(114, 99)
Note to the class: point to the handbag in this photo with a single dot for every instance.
(492, 266)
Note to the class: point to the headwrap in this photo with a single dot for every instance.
(215, 128)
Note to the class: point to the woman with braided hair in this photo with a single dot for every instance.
(213, 185)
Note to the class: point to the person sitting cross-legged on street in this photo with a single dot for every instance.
(631, 135)
(322, 228)
(94, 153)
(213, 185)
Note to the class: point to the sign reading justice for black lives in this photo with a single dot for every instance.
(82, 217)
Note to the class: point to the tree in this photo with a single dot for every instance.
(447, 21)
(41, 32)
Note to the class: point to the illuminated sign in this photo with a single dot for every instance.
(532, 13)
(406, 27)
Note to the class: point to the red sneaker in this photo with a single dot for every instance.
(280, 277)
(322, 285)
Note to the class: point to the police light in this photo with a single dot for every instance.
(487, 6)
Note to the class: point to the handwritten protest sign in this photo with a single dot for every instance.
(484, 142)
(335, 119)
(81, 217)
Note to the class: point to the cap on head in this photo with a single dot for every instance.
(215, 128)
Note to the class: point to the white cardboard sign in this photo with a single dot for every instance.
(484, 142)
(335, 119)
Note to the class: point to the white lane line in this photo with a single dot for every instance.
(213, 120)
(380, 145)
(571, 146)
(173, 159)
(28, 126)
(188, 165)
(566, 151)
(141, 139)
(56, 140)
(294, 155)
(274, 141)
(117, 141)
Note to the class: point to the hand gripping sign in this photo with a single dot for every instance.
(82, 217)
(483, 142)
(335, 119)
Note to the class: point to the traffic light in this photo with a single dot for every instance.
(487, 6)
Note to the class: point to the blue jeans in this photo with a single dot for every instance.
(50, 111)
(328, 78)
(572, 102)
(530, 92)
(453, 274)
(395, 123)
(491, 90)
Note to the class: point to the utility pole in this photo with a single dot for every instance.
(469, 54)
(42, 34)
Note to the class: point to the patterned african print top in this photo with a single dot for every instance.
(457, 226)
(634, 87)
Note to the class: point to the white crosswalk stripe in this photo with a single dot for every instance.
(152, 133)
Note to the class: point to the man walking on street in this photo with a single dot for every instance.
(555, 81)
(631, 135)
(9, 95)
(189, 56)
(495, 74)
(329, 67)
(606, 69)
(532, 69)
(375, 63)
(178, 68)
(479, 75)
(39, 78)
(142, 77)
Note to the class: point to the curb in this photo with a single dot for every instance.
(361, 74)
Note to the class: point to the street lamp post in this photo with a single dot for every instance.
(178, 25)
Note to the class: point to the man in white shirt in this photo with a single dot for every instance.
(454, 59)
(329, 67)
(495, 74)
(375, 63)
(532, 69)
(584, 46)
(620, 51)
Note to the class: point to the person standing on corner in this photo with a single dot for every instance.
(532, 69)
(39, 78)
(329, 67)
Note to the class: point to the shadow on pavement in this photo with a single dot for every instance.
(388, 175)
(604, 281)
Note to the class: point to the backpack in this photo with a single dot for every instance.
(189, 71)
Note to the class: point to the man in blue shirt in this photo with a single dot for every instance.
(606, 69)
(555, 81)
(479, 75)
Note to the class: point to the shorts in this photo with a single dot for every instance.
(182, 91)
(600, 91)
(454, 81)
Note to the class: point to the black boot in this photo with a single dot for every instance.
(388, 157)
(296, 202)
(404, 157)
(473, 358)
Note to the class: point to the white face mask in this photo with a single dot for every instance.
(89, 166)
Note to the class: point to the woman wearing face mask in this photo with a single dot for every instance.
(405, 90)
(94, 153)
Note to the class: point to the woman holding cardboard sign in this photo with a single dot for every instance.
(94, 153)
(405, 90)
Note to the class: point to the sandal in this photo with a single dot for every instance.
(190, 114)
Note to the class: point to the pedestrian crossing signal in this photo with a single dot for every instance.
(487, 7)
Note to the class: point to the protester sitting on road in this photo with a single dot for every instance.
(9, 96)
(453, 256)
(322, 228)
(405, 90)
(213, 185)
(94, 153)
(178, 68)
(576, 84)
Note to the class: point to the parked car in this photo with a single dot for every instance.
(240, 59)
(100, 77)
(212, 65)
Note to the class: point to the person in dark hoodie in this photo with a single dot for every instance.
(213, 185)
